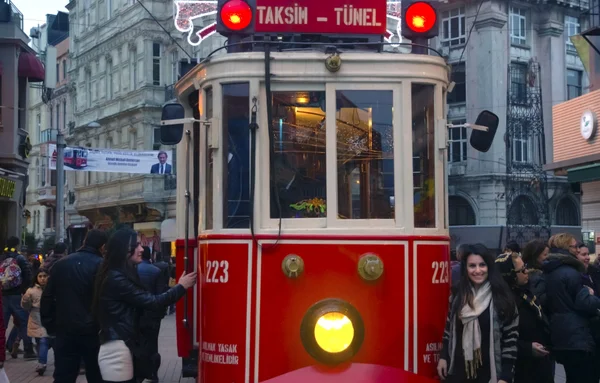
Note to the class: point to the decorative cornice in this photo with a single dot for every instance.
(551, 28)
(493, 19)
(108, 57)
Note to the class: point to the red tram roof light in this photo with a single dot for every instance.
(234, 17)
(419, 20)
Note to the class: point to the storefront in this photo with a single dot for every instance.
(11, 213)
(576, 148)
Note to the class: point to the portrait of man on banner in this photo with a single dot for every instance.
(162, 167)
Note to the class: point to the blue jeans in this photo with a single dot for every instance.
(11, 305)
(12, 337)
(45, 344)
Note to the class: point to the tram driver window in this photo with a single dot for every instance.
(236, 155)
(298, 182)
(423, 137)
(365, 154)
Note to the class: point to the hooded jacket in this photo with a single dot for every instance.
(569, 303)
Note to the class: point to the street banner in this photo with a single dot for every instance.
(113, 161)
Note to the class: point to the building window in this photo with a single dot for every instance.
(453, 27)
(108, 9)
(566, 213)
(518, 26)
(39, 172)
(522, 212)
(64, 114)
(109, 81)
(573, 83)
(155, 64)
(57, 72)
(134, 76)
(460, 212)
(134, 139)
(64, 65)
(457, 143)
(175, 66)
(49, 218)
(43, 183)
(521, 147)
(38, 122)
(156, 139)
(57, 116)
(572, 28)
(518, 83)
(459, 93)
(51, 116)
(88, 88)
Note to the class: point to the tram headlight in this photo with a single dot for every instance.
(332, 331)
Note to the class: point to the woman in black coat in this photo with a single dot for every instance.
(534, 362)
(119, 300)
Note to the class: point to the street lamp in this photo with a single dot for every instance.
(60, 182)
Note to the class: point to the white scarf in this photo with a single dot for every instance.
(471, 336)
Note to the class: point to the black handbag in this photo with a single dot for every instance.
(143, 359)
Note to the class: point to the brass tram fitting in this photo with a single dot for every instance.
(292, 266)
(370, 267)
(333, 63)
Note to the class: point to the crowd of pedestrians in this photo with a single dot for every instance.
(513, 316)
(99, 308)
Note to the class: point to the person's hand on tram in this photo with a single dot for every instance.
(442, 369)
(539, 350)
(188, 280)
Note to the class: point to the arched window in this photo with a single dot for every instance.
(522, 212)
(567, 213)
(461, 213)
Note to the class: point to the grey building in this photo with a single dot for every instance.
(518, 63)
(19, 66)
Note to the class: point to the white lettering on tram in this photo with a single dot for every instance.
(226, 353)
(440, 272)
(295, 15)
(432, 353)
(356, 17)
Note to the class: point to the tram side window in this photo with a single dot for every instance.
(423, 136)
(365, 154)
(208, 95)
(298, 182)
(236, 155)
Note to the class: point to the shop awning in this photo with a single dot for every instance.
(587, 173)
(31, 67)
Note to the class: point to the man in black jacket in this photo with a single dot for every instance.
(10, 261)
(66, 311)
(153, 280)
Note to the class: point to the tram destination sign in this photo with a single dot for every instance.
(357, 17)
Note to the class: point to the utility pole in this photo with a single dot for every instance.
(60, 186)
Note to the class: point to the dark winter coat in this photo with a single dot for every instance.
(532, 328)
(122, 299)
(569, 303)
(65, 307)
(537, 285)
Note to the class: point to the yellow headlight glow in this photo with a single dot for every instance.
(334, 332)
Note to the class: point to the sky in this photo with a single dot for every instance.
(35, 11)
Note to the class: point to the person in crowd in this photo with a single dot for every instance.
(31, 303)
(164, 269)
(14, 340)
(534, 254)
(534, 363)
(15, 273)
(512, 247)
(570, 305)
(455, 265)
(66, 311)
(60, 251)
(153, 280)
(480, 338)
(2, 338)
(119, 297)
(172, 272)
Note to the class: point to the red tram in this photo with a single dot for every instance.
(76, 158)
(312, 199)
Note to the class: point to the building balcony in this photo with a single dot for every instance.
(141, 197)
(46, 196)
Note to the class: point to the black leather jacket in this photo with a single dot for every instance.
(66, 303)
(122, 301)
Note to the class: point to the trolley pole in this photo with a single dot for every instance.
(60, 187)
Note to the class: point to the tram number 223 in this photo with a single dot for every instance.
(440, 272)
(217, 272)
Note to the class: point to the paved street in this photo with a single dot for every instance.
(21, 371)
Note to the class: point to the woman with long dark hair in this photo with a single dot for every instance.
(534, 362)
(534, 254)
(118, 302)
(480, 339)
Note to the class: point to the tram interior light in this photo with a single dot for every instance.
(482, 140)
(419, 20)
(334, 332)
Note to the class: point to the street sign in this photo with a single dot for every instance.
(359, 17)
